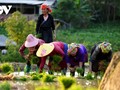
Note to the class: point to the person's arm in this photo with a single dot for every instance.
(43, 61)
(80, 64)
(70, 68)
(21, 50)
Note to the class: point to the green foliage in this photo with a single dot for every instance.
(5, 86)
(57, 59)
(35, 77)
(79, 9)
(92, 35)
(18, 27)
(34, 59)
(66, 82)
(6, 67)
(41, 75)
(12, 55)
(89, 76)
(48, 78)
(105, 10)
(79, 71)
(2, 31)
(23, 78)
(34, 73)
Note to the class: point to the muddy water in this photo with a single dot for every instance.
(30, 85)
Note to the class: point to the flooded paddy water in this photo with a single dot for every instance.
(32, 84)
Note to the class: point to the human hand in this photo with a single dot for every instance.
(26, 57)
(72, 69)
(54, 37)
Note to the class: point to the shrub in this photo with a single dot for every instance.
(12, 55)
(40, 75)
(66, 81)
(6, 67)
(79, 71)
(89, 76)
(48, 78)
(17, 25)
(31, 74)
(35, 77)
(55, 61)
(5, 86)
(23, 78)
(34, 59)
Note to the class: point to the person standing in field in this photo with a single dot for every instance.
(45, 24)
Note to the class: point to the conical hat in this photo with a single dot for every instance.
(31, 41)
(45, 49)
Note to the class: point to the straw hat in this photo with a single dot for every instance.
(31, 41)
(105, 47)
(44, 6)
(45, 49)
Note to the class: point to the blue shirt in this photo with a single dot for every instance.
(80, 56)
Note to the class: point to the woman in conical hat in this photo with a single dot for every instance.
(51, 49)
(78, 55)
(101, 55)
(32, 44)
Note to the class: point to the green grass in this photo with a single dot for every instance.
(96, 33)
(91, 36)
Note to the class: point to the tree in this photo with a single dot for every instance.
(18, 27)
(105, 10)
(75, 12)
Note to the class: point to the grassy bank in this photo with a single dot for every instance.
(97, 33)
(90, 36)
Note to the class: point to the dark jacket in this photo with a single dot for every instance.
(45, 28)
(97, 55)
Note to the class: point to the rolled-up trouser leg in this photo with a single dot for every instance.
(28, 67)
(95, 66)
(83, 67)
(63, 71)
(72, 73)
